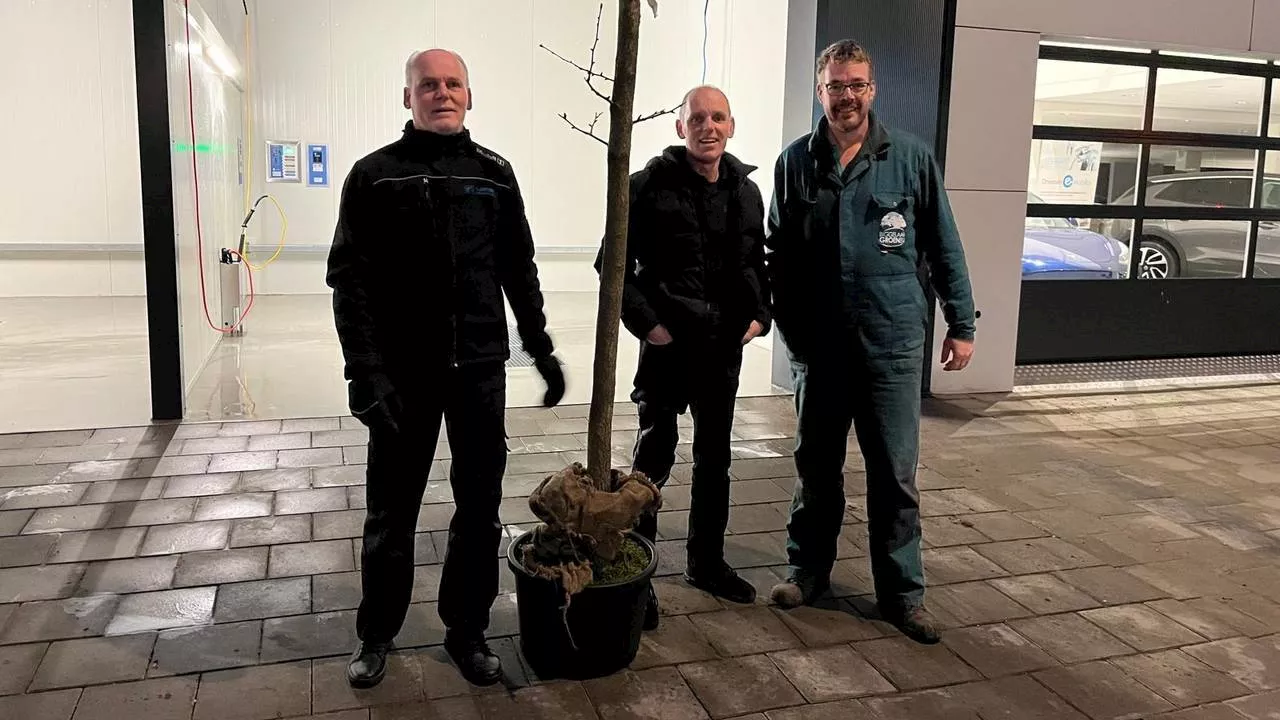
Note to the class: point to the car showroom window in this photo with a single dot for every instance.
(1198, 134)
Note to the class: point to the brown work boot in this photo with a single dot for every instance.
(798, 590)
(915, 622)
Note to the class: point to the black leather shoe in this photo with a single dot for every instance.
(651, 614)
(477, 663)
(368, 665)
(720, 580)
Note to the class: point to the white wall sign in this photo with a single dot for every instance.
(282, 161)
(1067, 171)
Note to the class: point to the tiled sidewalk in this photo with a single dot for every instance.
(1092, 556)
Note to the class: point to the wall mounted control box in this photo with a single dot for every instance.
(318, 165)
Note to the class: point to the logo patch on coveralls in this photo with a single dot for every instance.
(893, 231)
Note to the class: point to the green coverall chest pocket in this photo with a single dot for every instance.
(891, 225)
(891, 305)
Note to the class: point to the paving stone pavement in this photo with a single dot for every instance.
(1090, 556)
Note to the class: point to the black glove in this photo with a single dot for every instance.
(375, 403)
(549, 368)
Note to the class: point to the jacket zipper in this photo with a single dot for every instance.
(439, 226)
(445, 218)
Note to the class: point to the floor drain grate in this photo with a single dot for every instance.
(1131, 370)
(519, 358)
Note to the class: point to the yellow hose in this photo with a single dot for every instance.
(284, 229)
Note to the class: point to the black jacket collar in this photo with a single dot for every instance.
(674, 160)
(434, 143)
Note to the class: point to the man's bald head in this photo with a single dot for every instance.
(702, 92)
(705, 124)
(438, 90)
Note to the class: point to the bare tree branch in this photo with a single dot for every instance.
(590, 132)
(595, 43)
(599, 94)
(589, 71)
(657, 113)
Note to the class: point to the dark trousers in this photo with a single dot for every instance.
(706, 382)
(881, 400)
(472, 402)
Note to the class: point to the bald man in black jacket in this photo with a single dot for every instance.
(695, 294)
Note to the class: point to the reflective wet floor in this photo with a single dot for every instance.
(72, 363)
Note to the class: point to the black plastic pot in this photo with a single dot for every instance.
(600, 633)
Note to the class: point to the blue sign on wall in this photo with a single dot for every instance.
(318, 165)
(276, 162)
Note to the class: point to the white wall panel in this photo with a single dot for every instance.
(988, 148)
(122, 182)
(292, 87)
(51, 274)
(991, 224)
(1266, 27)
(128, 274)
(799, 84)
(759, 133)
(565, 185)
(76, 144)
(60, 195)
(1218, 25)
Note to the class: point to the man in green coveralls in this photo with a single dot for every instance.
(856, 205)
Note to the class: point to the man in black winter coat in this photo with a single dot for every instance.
(431, 234)
(695, 294)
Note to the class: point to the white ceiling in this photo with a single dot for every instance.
(1112, 96)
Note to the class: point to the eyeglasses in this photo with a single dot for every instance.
(837, 89)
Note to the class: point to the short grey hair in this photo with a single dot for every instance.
(413, 57)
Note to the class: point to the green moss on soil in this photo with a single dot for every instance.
(630, 561)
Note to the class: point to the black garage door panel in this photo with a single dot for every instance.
(1081, 321)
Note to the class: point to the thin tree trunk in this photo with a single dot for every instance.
(600, 430)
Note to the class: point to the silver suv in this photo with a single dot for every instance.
(1202, 248)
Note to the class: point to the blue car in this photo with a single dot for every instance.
(1059, 249)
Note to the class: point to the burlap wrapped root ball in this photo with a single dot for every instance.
(583, 524)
